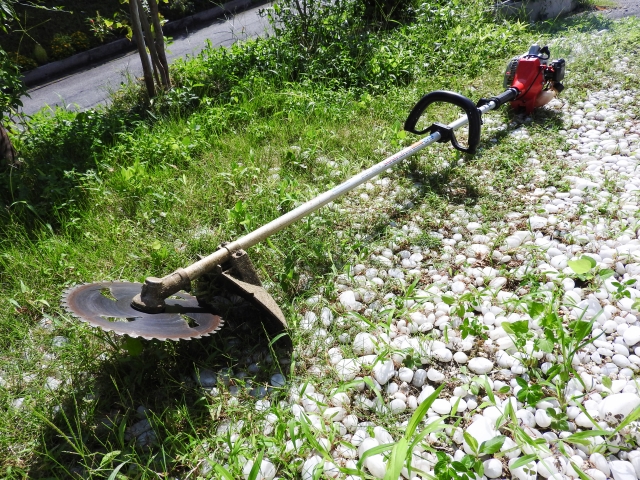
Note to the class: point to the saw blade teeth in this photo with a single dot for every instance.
(85, 303)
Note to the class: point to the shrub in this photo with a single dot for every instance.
(386, 12)
(62, 46)
(104, 28)
(22, 62)
(79, 41)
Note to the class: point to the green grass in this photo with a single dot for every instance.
(124, 195)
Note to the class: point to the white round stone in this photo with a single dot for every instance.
(405, 374)
(595, 474)
(419, 377)
(367, 444)
(460, 357)
(351, 422)
(618, 404)
(601, 463)
(364, 344)
(397, 406)
(492, 468)
(377, 465)
(383, 371)
(482, 429)
(622, 470)
(441, 406)
(443, 355)
(347, 369)
(537, 222)
(335, 414)
(267, 470)
(632, 335)
(480, 365)
(543, 420)
(348, 301)
(435, 376)
(309, 467)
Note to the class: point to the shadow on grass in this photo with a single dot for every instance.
(451, 185)
(155, 408)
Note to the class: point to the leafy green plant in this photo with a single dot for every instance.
(471, 465)
(584, 269)
(622, 290)
(239, 214)
(401, 452)
(104, 28)
(62, 46)
(472, 326)
(559, 420)
(12, 86)
(560, 337)
(529, 393)
(465, 307)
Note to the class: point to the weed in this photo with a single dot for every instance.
(471, 465)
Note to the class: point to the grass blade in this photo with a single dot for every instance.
(223, 472)
(397, 459)
(255, 469)
(523, 461)
(114, 474)
(420, 412)
(632, 417)
(374, 451)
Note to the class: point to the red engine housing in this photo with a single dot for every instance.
(529, 80)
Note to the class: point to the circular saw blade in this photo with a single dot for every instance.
(107, 305)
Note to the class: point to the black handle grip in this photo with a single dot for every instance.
(504, 97)
(473, 115)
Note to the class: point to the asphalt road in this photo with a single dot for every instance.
(89, 87)
(624, 8)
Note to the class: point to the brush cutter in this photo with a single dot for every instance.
(160, 309)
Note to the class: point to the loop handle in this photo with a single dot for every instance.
(443, 96)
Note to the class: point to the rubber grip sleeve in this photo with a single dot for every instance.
(506, 96)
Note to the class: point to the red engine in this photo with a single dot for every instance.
(536, 81)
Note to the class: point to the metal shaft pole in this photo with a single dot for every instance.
(202, 266)
(155, 290)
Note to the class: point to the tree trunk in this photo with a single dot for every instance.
(134, 6)
(7, 152)
(159, 38)
(151, 45)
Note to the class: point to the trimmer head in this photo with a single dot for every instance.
(113, 306)
(108, 305)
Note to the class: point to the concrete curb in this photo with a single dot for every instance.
(58, 68)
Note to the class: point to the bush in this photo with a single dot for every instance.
(386, 12)
(62, 46)
(79, 41)
(22, 62)
(11, 87)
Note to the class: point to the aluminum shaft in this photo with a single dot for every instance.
(206, 264)
(155, 290)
